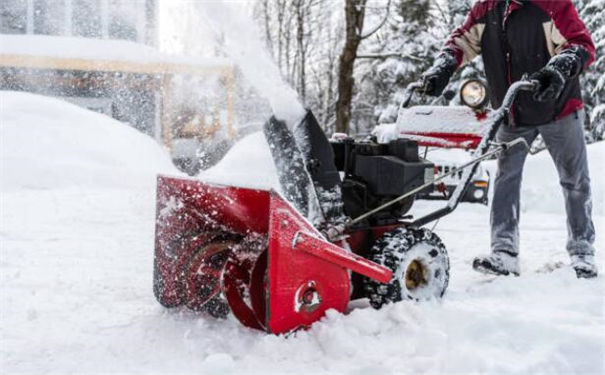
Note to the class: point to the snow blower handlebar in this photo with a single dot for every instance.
(409, 92)
(420, 86)
(481, 153)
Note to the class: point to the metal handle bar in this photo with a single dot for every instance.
(409, 93)
(523, 85)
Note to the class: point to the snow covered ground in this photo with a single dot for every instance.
(76, 267)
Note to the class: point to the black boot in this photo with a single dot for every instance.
(497, 263)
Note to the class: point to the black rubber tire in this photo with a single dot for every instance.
(397, 250)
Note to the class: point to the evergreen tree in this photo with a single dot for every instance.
(399, 54)
(593, 80)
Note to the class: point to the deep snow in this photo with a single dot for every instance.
(248, 164)
(76, 270)
(47, 143)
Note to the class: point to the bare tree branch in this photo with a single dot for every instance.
(381, 24)
(390, 54)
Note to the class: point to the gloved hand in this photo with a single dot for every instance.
(554, 75)
(550, 84)
(438, 76)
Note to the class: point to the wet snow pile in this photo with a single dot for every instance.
(247, 164)
(430, 119)
(76, 275)
(48, 143)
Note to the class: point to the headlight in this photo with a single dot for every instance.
(478, 194)
(473, 93)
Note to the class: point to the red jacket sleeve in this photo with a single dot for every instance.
(465, 42)
(570, 31)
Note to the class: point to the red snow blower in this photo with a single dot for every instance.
(339, 229)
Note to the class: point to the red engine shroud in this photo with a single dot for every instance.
(290, 285)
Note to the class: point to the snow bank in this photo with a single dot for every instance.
(247, 164)
(541, 190)
(47, 143)
(447, 155)
(385, 133)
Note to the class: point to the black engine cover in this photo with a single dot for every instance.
(389, 175)
(377, 173)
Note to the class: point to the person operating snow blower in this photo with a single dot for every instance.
(547, 40)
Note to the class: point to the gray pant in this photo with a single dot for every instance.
(564, 139)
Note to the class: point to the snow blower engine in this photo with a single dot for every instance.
(278, 260)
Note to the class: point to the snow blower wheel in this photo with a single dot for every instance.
(419, 263)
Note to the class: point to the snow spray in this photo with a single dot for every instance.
(244, 46)
(247, 50)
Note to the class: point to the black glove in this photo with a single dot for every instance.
(562, 67)
(550, 84)
(438, 76)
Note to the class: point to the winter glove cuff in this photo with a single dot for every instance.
(438, 76)
(560, 69)
(570, 62)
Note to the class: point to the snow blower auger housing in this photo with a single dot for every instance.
(221, 248)
(278, 261)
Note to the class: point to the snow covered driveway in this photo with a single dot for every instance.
(76, 297)
(76, 294)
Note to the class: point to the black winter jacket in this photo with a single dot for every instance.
(522, 39)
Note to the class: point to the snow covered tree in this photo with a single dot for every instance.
(398, 54)
(593, 80)
(304, 39)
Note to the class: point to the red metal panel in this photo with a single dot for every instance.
(445, 140)
(189, 215)
(337, 255)
(301, 286)
(239, 209)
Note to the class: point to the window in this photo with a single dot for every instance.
(86, 18)
(13, 16)
(49, 17)
(123, 19)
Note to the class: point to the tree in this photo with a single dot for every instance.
(396, 56)
(355, 11)
(354, 16)
(302, 36)
(593, 80)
